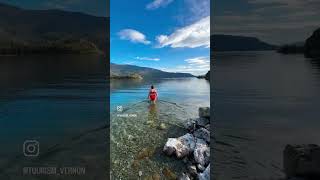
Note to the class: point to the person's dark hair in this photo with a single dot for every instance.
(152, 87)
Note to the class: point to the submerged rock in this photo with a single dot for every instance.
(145, 153)
(302, 160)
(204, 112)
(153, 177)
(205, 175)
(156, 176)
(162, 126)
(202, 133)
(169, 174)
(181, 147)
(202, 153)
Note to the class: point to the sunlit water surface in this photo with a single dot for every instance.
(137, 140)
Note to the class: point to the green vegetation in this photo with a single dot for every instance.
(43, 47)
(26, 31)
(131, 76)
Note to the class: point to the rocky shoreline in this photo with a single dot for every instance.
(193, 148)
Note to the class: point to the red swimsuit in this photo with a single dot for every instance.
(153, 94)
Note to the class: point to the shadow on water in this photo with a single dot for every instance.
(138, 135)
(315, 63)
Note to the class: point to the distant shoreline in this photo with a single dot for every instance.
(131, 76)
(56, 47)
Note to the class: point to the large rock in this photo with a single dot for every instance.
(200, 167)
(208, 127)
(191, 125)
(205, 175)
(302, 160)
(181, 147)
(184, 176)
(201, 153)
(204, 112)
(192, 169)
(202, 133)
(201, 122)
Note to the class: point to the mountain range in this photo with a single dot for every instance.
(310, 47)
(117, 71)
(222, 42)
(23, 30)
(36, 30)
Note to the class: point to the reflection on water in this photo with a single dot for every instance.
(153, 117)
(263, 101)
(139, 132)
(180, 90)
(52, 99)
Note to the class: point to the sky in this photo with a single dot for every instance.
(274, 21)
(92, 7)
(170, 35)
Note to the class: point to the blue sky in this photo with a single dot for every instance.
(171, 35)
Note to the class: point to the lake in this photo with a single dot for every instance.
(60, 101)
(262, 101)
(140, 130)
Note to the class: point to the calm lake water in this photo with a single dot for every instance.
(52, 99)
(263, 101)
(137, 140)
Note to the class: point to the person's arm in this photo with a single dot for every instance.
(148, 95)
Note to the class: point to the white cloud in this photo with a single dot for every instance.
(198, 61)
(133, 36)
(191, 36)
(148, 58)
(155, 4)
(196, 66)
(198, 8)
(130, 63)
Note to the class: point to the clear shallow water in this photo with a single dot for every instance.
(137, 140)
(262, 101)
(51, 99)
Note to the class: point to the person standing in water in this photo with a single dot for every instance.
(153, 95)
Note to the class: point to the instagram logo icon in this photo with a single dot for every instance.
(31, 148)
